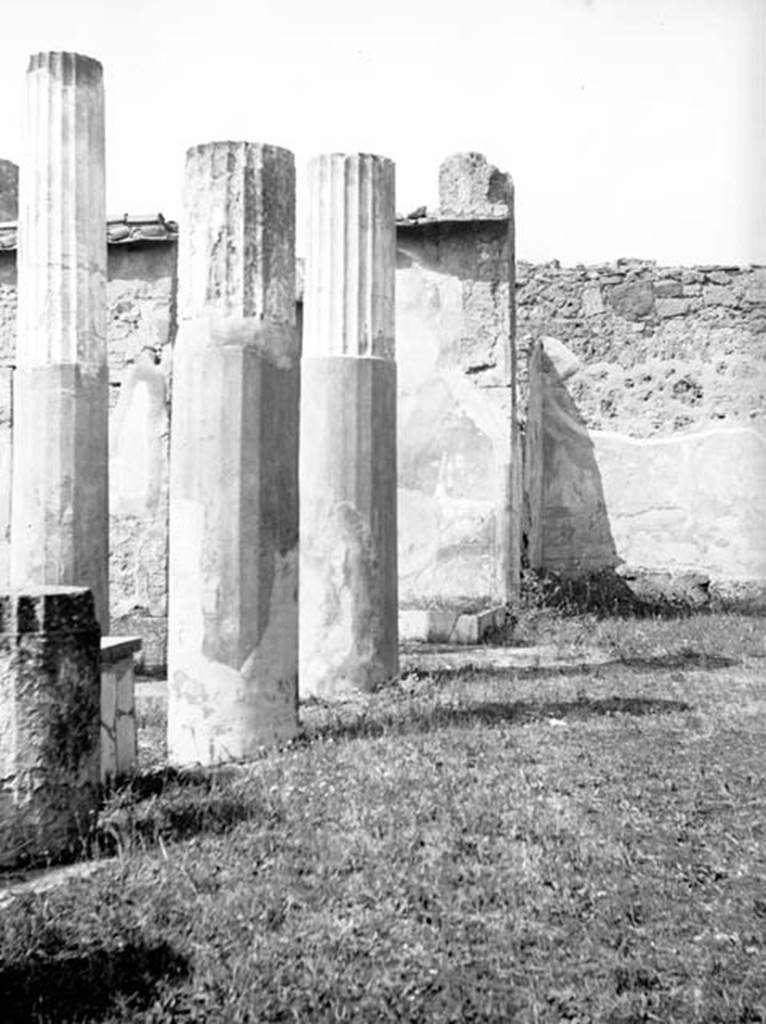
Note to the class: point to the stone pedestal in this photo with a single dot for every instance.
(348, 430)
(118, 711)
(60, 514)
(49, 722)
(233, 586)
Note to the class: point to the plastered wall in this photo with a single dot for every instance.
(454, 415)
(646, 434)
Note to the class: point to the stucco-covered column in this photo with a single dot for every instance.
(233, 559)
(60, 504)
(348, 429)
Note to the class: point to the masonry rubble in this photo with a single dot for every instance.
(233, 568)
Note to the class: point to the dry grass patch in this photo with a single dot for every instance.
(464, 847)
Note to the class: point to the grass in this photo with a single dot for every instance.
(469, 846)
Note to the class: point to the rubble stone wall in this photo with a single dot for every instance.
(650, 390)
(660, 349)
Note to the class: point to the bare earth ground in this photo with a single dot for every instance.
(573, 835)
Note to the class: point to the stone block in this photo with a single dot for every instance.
(672, 307)
(718, 295)
(668, 289)
(49, 723)
(470, 187)
(559, 358)
(430, 625)
(755, 287)
(450, 625)
(592, 301)
(118, 721)
(719, 277)
(633, 299)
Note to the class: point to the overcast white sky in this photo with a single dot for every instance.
(631, 127)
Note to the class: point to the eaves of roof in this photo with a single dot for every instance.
(125, 230)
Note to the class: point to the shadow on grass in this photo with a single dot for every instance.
(172, 805)
(64, 986)
(681, 659)
(686, 659)
(412, 720)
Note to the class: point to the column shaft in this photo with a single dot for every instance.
(60, 512)
(348, 430)
(233, 560)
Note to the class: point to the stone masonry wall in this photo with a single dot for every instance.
(660, 349)
(649, 384)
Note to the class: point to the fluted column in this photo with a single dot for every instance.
(60, 514)
(348, 429)
(233, 559)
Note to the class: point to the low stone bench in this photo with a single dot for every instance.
(118, 715)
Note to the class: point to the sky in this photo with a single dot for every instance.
(631, 128)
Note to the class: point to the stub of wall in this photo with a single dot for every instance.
(454, 429)
(693, 500)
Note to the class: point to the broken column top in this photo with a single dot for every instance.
(350, 256)
(71, 68)
(9, 191)
(237, 240)
(471, 188)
